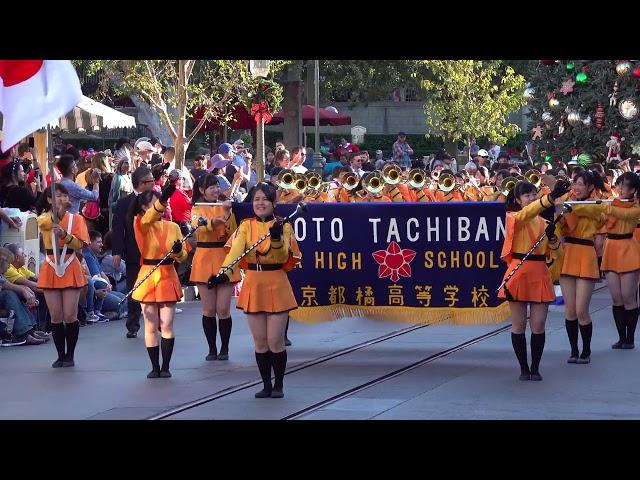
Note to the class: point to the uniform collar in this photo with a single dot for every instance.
(258, 219)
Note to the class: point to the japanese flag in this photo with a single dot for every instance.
(33, 93)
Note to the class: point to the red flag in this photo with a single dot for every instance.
(33, 93)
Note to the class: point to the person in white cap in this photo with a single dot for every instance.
(482, 158)
(144, 150)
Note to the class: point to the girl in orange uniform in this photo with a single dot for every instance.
(159, 293)
(621, 259)
(266, 295)
(531, 284)
(580, 264)
(210, 253)
(61, 277)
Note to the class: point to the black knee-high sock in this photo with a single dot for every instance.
(166, 345)
(585, 333)
(537, 347)
(619, 317)
(572, 333)
(57, 332)
(154, 356)
(264, 366)
(631, 317)
(225, 333)
(519, 342)
(210, 331)
(279, 361)
(71, 331)
(599, 264)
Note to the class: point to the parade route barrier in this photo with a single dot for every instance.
(408, 262)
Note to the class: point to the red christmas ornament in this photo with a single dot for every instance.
(636, 72)
(599, 116)
(551, 95)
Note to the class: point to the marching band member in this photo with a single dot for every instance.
(210, 253)
(266, 296)
(159, 293)
(621, 259)
(580, 264)
(531, 284)
(61, 276)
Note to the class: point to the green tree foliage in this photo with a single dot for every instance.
(176, 88)
(367, 80)
(467, 99)
(563, 140)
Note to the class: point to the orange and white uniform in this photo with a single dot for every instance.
(77, 238)
(621, 251)
(452, 196)
(155, 238)
(424, 195)
(578, 231)
(266, 287)
(211, 240)
(532, 282)
(322, 197)
(288, 196)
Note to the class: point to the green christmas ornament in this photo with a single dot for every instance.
(584, 159)
(548, 158)
(581, 78)
(570, 66)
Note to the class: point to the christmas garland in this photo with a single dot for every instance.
(264, 99)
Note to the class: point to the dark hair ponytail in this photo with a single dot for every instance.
(516, 192)
(136, 206)
(631, 180)
(591, 177)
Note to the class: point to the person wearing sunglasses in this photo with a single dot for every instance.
(125, 246)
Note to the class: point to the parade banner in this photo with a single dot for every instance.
(409, 262)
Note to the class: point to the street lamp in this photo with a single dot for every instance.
(259, 68)
(317, 156)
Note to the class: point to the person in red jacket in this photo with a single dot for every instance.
(180, 201)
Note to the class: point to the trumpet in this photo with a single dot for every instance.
(435, 175)
(446, 182)
(350, 181)
(417, 178)
(373, 183)
(534, 176)
(508, 184)
(392, 174)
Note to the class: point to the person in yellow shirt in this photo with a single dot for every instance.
(266, 295)
(159, 293)
(531, 285)
(621, 259)
(580, 263)
(207, 260)
(61, 277)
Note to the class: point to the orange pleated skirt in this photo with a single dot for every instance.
(266, 292)
(531, 283)
(73, 276)
(207, 262)
(580, 261)
(621, 256)
(163, 286)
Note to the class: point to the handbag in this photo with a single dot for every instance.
(91, 210)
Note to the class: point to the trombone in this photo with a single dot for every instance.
(508, 184)
(372, 183)
(417, 178)
(392, 174)
(286, 179)
(350, 181)
(534, 176)
(446, 182)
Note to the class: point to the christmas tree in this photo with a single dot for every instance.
(584, 110)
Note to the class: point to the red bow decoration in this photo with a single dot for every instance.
(261, 110)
